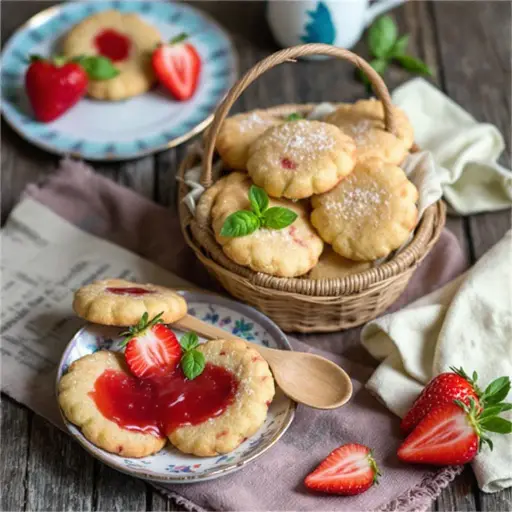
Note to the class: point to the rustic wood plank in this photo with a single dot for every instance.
(60, 473)
(460, 496)
(117, 491)
(496, 501)
(15, 429)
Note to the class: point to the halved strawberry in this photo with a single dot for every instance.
(453, 433)
(348, 470)
(450, 386)
(177, 66)
(151, 348)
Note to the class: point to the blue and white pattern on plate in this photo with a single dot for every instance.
(169, 465)
(106, 130)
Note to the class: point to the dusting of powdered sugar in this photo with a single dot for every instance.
(253, 121)
(273, 235)
(301, 140)
(360, 131)
(356, 204)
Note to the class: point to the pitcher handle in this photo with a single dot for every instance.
(380, 7)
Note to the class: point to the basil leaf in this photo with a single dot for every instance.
(496, 424)
(400, 46)
(259, 200)
(98, 67)
(278, 217)
(240, 223)
(192, 364)
(414, 65)
(294, 117)
(379, 65)
(382, 36)
(189, 341)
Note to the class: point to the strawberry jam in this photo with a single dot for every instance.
(112, 44)
(161, 404)
(129, 291)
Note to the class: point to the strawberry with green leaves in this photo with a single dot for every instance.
(348, 470)
(450, 386)
(453, 433)
(55, 85)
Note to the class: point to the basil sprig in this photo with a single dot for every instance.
(245, 222)
(386, 46)
(192, 361)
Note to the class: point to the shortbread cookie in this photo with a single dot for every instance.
(248, 410)
(124, 38)
(122, 303)
(332, 265)
(364, 121)
(238, 132)
(78, 403)
(369, 214)
(287, 252)
(300, 158)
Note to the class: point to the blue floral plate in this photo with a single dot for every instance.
(105, 130)
(169, 465)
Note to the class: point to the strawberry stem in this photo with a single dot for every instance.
(179, 38)
(142, 325)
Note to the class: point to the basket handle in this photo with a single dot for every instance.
(288, 55)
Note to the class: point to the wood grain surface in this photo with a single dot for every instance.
(467, 44)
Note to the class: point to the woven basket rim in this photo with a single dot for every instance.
(200, 237)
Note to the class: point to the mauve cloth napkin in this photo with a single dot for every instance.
(273, 481)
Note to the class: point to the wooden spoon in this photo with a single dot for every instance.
(306, 378)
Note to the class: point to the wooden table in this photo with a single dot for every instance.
(467, 44)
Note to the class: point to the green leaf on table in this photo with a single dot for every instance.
(382, 36)
(278, 217)
(259, 200)
(400, 46)
(189, 341)
(414, 65)
(240, 223)
(193, 363)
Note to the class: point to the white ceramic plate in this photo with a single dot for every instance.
(106, 130)
(169, 465)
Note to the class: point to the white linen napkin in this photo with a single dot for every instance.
(466, 323)
(465, 151)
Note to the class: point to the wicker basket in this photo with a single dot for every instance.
(301, 304)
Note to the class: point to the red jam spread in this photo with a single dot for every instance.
(113, 45)
(129, 291)
(286, 163)
(161, 404)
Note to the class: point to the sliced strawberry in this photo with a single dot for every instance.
(348, 470)
(177, 66)
(452, 433)
(443, 389)
(151, 348)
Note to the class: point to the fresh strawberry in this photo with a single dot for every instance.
(53, 87)
(452, 433)
(151, 348)
(348, 470)
(443, 389)
(450, 386)
(177, 66)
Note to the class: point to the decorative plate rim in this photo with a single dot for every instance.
(198, 297)
(43, 16)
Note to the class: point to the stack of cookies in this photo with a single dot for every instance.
(311, 198)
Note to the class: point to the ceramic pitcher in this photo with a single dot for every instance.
(336, 22)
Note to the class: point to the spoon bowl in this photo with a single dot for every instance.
(306, 378)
